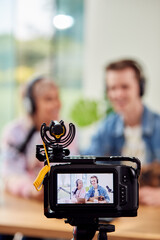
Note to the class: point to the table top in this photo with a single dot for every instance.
(26, 216)
(146, 226)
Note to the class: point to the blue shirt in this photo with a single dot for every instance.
(101, 192)
(109, 138)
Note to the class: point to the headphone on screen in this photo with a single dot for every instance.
(93, 177)
(127, 63)
(29, 101)
(77, 182)
(74, 192)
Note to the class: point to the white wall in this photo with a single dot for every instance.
(122, 28)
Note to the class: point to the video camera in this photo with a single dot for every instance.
(108, 186)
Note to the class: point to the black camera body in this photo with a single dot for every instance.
(86, 186)
(122, 179)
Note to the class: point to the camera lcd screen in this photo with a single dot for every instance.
(85, 188)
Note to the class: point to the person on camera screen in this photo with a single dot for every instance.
(79, 192)
(96, 193)
(133, 130)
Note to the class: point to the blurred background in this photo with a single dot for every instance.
(72, 41)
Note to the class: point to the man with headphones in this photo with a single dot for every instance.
(96, 193)
(132, 130)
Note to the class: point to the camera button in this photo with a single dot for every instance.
(122, 195)
(122, 188)
(122, 202)
(124, 179)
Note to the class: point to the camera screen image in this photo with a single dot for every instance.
(85, 188)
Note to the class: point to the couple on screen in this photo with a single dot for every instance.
(96, 193)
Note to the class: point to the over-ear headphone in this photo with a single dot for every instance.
(74, 192)
(30, 108)
(29, 101)
(127, 63)
(77, 182)
(138, 70)
(93, 177)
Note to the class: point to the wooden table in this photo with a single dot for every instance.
(26, 216)
(146, 226)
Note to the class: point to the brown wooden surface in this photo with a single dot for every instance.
(146, 226)
(26, 216)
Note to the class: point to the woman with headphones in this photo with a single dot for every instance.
(79, 192)
(20, 166)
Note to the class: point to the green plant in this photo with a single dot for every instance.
(86, 111)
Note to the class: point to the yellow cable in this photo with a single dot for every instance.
(38, 182)
(46, 155)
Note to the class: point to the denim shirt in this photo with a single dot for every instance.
(109, 138)
(101, 192)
